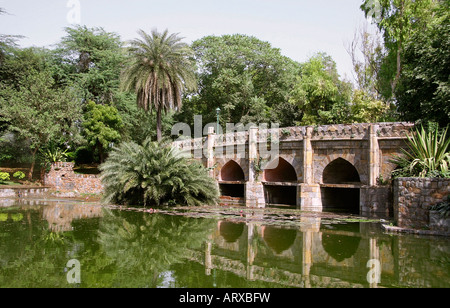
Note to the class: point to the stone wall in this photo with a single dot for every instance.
(62, 178)
(413, 198)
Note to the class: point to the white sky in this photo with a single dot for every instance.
(299, 28)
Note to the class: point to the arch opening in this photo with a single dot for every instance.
(280, 188)
(340, 171)
(278, 239)
(341, 246)
(340, 190)
(284, 172)
(232, 187)
(231, 231)
(232, 172)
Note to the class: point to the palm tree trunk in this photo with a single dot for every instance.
(158, 124)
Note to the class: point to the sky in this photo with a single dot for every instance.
(299, 28)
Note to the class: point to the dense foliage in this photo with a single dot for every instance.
(428, 154)
(160, 69)
(94, 91)
(155, 174)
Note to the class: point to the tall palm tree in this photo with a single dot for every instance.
(161, 68)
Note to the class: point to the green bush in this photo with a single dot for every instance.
(427, 155)
(19, 175)
(4, 176)
(155, 174)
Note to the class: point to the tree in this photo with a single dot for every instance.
(102, 125)
(247, 78)
(397, 20)
(91, 59)
(320, 94)
(34, 107)
(155, 174)
(423, 93)
(369, 47)
(160, 70)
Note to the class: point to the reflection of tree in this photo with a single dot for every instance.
(30, 254)
(144, 246)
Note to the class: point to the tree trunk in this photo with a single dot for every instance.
(158, 125)
(30, 174)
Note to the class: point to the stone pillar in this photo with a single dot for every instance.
(374, 275)
(208, 259)
(251, 252)
(307, 259)
(252, 152)
(210, 151)
(308, 157)
(374, 156)
(254, 189)
(309, 193)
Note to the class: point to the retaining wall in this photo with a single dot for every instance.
(62, 178)
(413, 198)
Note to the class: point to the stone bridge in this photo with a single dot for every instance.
(312, 168)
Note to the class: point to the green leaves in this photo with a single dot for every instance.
(102, 126)
(244, 76)
(319, 94)
(155, 174)
(160, 70)
(428, 154)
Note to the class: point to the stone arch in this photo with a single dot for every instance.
(340, 186)
(319, 167)
(283, 172)
(232, 172)
(279, 239)
(231, 181)
(340, 171)
(231, 231)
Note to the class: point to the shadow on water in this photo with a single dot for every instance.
(138, 248)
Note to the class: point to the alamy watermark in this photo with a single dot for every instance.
(73, 268)
(74, 14)
(233, 142)
(375, 10)
(374, 274)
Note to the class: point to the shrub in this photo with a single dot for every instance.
(155, 174)
(19, 175)
(427, 155)
(4, 176)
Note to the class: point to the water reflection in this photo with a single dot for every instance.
(138, 249)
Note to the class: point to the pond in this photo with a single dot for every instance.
(43, 242)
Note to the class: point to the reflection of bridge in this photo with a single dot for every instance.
(314, 256)
(334, 166)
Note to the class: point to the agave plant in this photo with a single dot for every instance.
(427, 155)
(155, 174)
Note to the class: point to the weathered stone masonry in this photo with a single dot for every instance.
(62, 178)
(331, 162)
(413, 198)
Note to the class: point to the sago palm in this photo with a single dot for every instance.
(161, 69)
(155, 174)
(427, 155)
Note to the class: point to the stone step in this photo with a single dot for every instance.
(20, 192)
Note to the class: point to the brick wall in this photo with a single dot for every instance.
(62, 177)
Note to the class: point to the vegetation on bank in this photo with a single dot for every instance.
(155, 174)
(428, 154)
(93, 92)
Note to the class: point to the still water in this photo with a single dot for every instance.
(134, 248)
